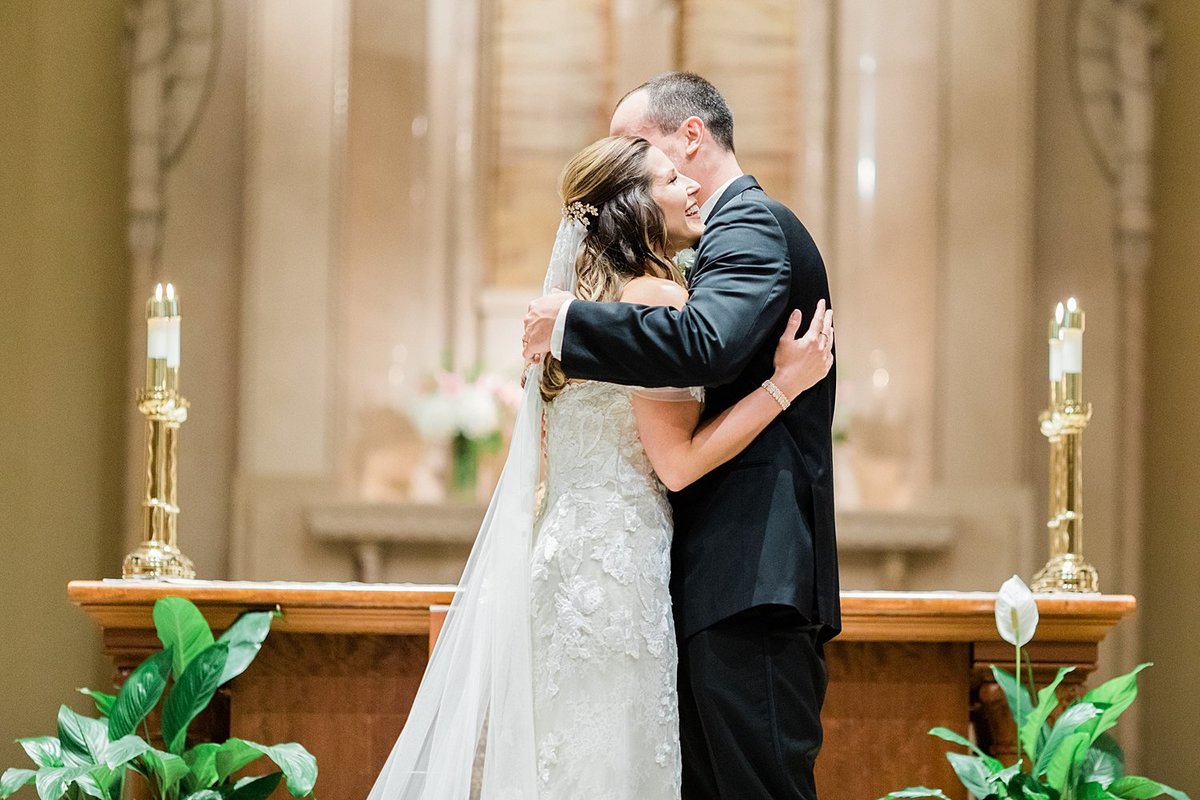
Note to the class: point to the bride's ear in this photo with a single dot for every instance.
(693, 133)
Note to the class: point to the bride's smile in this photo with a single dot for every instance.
(675, 194)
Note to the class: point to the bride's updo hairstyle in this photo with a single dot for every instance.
(627, 234)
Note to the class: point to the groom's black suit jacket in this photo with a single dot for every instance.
(758, 530)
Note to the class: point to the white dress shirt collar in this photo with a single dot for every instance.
(707, 208)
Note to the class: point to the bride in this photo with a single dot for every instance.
(554, 675)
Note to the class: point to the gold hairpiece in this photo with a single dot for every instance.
(580, 212)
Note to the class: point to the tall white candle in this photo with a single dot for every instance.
(157, 337)
(1056, 345)
(1056, 359)
(1072, 356)
(156, 326)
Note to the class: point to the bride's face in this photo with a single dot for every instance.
(675, 194)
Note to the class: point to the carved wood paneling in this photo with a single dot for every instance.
(344, 697)
(342, 679)
(882, 698)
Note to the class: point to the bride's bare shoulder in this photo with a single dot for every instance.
(651, 291)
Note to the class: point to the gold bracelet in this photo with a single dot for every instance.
(779, 396)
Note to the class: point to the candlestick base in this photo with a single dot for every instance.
(155, 560)
(1067, 573)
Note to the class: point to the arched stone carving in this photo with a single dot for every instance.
(172, 47)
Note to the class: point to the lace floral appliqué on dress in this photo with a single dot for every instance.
(604, 652)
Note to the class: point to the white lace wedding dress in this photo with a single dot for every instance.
(606, 713)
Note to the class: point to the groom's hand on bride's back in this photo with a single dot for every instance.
(539, 325)
(801, 363)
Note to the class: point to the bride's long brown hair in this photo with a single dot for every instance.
(627, 236)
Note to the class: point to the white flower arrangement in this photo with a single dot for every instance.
(451, 404)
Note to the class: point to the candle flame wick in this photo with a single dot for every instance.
(158, 292)
(1072, 306)
(1058, 313)
(170, 291)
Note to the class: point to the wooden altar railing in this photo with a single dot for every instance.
(339, 671)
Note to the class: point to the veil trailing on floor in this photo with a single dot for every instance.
(476, 699)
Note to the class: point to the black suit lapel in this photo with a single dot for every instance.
(738, 186)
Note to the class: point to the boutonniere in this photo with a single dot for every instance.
(685, 259)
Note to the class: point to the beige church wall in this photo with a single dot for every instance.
(1170, 601)
(63, 354)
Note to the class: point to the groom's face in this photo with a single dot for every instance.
(632, 119)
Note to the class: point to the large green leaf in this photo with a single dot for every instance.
(46, 751)
(204, 794)
(140, 694)
(202, 763)
(104, 702)
(14, 779)
(233, 755)
(1032, 734)
(298, 765)
(1019, 701)
(124, 750)
(181, 626)
(256, 788)
(1135, 787)
(948, 735)
(84, 740)
(1067, 758)
(191, 693)
(1066, 725)
(52, 782)
(915, 791)
(971, 772)
(1022, 785)
(1093, 791)
(90, 786)
(1114, 697)
(1103, 763)
(111, 779)
(245, 638)
(168, 769)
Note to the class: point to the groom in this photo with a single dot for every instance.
(754, 562)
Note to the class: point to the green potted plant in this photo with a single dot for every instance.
(92, 757)
(1073, 758)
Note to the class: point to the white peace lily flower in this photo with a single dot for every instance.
(1016, 612)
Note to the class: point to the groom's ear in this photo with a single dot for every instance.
(693, 134)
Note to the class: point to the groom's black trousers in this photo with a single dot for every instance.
(750, 695)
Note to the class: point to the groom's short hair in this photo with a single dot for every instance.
(675, 96)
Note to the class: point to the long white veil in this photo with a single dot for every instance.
(477, 693)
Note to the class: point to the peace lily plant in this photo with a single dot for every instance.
(93, 757)
(1073, 758)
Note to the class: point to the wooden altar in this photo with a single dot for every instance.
(339, 671)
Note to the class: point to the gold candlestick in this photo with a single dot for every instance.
(1063, 425)
(158, 556)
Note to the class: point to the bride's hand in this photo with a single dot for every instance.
(801, 363)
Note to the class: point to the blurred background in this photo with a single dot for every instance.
(355, 199)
